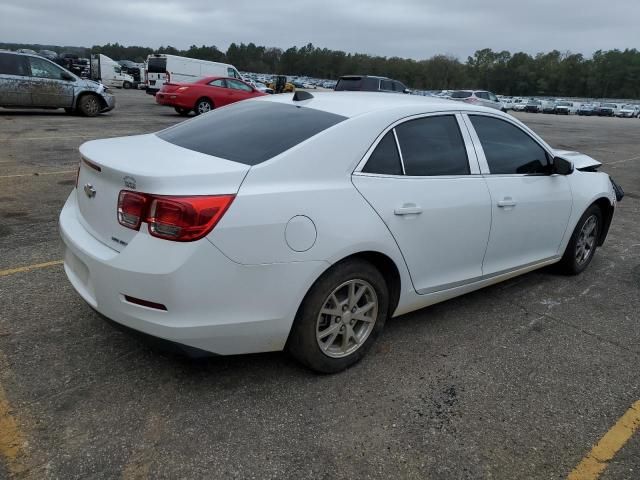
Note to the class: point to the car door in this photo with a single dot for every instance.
(423, 180)
(14, 78)
(530, 206)
(221, 95)
(240, 90)
(47, 86)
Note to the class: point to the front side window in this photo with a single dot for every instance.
(13, 65)
(483, 95)
(43, 69)
(238, 85)
(231, 72)
(508, 149)
(433, 146)
(386, 85)
(385, 159)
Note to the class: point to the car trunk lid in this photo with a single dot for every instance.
(146, 164)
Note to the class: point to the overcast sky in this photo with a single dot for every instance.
(406, 28)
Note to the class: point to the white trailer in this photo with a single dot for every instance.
(109, 72)
(163, 68)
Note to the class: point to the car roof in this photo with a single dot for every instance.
(352, 104)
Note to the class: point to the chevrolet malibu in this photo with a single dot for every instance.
(226, 236)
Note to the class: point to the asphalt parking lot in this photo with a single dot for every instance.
(518, 380)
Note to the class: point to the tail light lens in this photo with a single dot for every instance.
(131, 209)
(178, 218)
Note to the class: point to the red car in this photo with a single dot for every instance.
(205, 94)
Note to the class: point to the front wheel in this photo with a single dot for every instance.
(126, 85)
(89, 105)
(583, 243)
(341, 316)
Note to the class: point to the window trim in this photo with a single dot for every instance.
(472, 157)
(482, 159)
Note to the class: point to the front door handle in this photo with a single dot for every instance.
(507, 202)
(408, 209)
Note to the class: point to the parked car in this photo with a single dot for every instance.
(629, 111)
(548, 106)
(162, 68)
(609, 109)
(509, 103)
(566, 108)
(31, 81)
(225, 235)
(587, 109)
(533, 106)
(477, 97)
(50, 54)
(205, 94)
(369, 83)
(520, 105)
(262, 87)
(110, 73)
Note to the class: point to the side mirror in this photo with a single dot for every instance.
(67, 76)
(561, 166)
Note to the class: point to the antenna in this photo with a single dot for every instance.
(299, 96)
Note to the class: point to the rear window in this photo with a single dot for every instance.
(460, 94)
(157, 65)
(250, 132)
(12, 65)
(350, 83)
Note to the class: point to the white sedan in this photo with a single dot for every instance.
(303, 223)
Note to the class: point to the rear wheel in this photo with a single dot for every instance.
(182, 111)
(89, 105)
(340, 317)
(583, 243)
(126, 85)
(203, 105)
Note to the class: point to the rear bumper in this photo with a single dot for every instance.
(212, 303)
(172, 100)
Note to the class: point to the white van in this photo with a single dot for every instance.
(163, 68)
(109, 72)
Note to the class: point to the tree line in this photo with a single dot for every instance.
(611, 73)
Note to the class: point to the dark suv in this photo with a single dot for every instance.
(367, 83)
(35, 82)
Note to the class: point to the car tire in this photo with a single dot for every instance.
(325, 316)
(204, 105)
(583, 243)
(89, 105)
(182, 111)
(126, 85)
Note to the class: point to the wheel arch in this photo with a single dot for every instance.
(386, 266)
(607, 210)
(102, 101)
(204, 97)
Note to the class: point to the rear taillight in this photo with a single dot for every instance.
(178, 218)
(132, 207)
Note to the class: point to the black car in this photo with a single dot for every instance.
(369, 83)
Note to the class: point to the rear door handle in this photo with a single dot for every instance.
(507, 202)
(408, 209)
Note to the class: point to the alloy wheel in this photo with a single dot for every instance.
(347, 318)
(586, 240)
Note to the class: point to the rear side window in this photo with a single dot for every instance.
(483, 95)
(433, 146)
(250, 132)
(13, 65)
(508, 149)
(220, 82)
(157, 65)
(460, 94)
(349, 83)
(385, 158)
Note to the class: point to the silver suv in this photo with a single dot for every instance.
(478, 97)
(30, 81)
